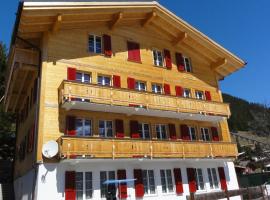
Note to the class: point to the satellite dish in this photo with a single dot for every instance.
(50, 149)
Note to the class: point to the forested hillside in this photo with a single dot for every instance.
(248, 116)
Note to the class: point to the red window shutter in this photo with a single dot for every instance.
(134, 52)
(191, 180)
(71, 125)
(131, 83)
(215, 136)
(208, 96)
(167, 89)
(184, 132)
(107, 45)
(119, 128)
(178, 91)
(168, 59)
(71, 74)
(70, 189)
(116, 81)
(172, 131)
(180, 62)
(121, 175)
(134, 129)
(222, 178)
(178, 181)
(139, 188)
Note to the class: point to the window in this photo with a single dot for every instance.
(104, 80)
(94, 44)
(149, 182)
(205, 134)
(161, 131)
(212, 176)
(157, 88)
(144, 130)
(199, 179)
(83, 77)
(199, 95)
(158, 58)
(84, 185)
(166, 180)
(192, 133)
(105, 128)
(110, 189)
(187, 93)
(141, 86)
(187, 63)
(83, 127)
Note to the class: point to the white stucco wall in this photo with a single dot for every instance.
(23, 186)
(51, 177)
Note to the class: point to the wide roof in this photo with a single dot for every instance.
(40, 16)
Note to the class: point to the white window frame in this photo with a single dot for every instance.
(95, 43)
(107, 178)
(155, 89)
(143, 130)
(103, 83)
(211, 179)
(157, 62)
(184, 93)
(190, 133)
(106, 128)
(203, 134)
(148, 193)
(160, 130)
(185, 63)
(83, 125)
(139, 84)
(84, 184)
(198, 181)
(166, 181)
(198, 96)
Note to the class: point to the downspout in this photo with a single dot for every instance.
(13, 40)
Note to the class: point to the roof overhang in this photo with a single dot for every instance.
(43, 16)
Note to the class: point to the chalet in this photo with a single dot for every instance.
(117, 99)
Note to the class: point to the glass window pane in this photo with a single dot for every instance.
(102, 128)
(152, 182)
(91, 44)
(107, 81)
(103, 187)
(79, 127)
(145, 181)
(163, 181)
(78, 76)
(87, 128)
(98, 44)
(100, 78)
(87, 78)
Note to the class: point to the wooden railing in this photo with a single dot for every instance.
(124, 97)
(71, 147)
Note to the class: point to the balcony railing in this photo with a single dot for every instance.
(74, 147)
(69, 91)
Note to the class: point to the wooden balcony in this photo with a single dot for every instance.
(138, 103)
(74, 147)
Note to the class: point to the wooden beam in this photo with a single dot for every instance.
(219, 63)
(117, 18)
(57, 23)
(182, 36)
(150, 17)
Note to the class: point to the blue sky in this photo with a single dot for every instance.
(241, 26)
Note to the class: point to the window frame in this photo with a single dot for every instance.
(202, 93)
(83, 125)
(211, 180)
(83, 76)
(190, 134)
(141, 126)
(166, 181)
(203, 135)
(105, 128)
(160, 129)
(155, 85)
(148, 186)
(138, 82)
(154, 53)
(95, 43)
(84, 189)
(199, 181)
(185, 58)
(103, 80)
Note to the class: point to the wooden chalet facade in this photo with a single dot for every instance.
(129, 91)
